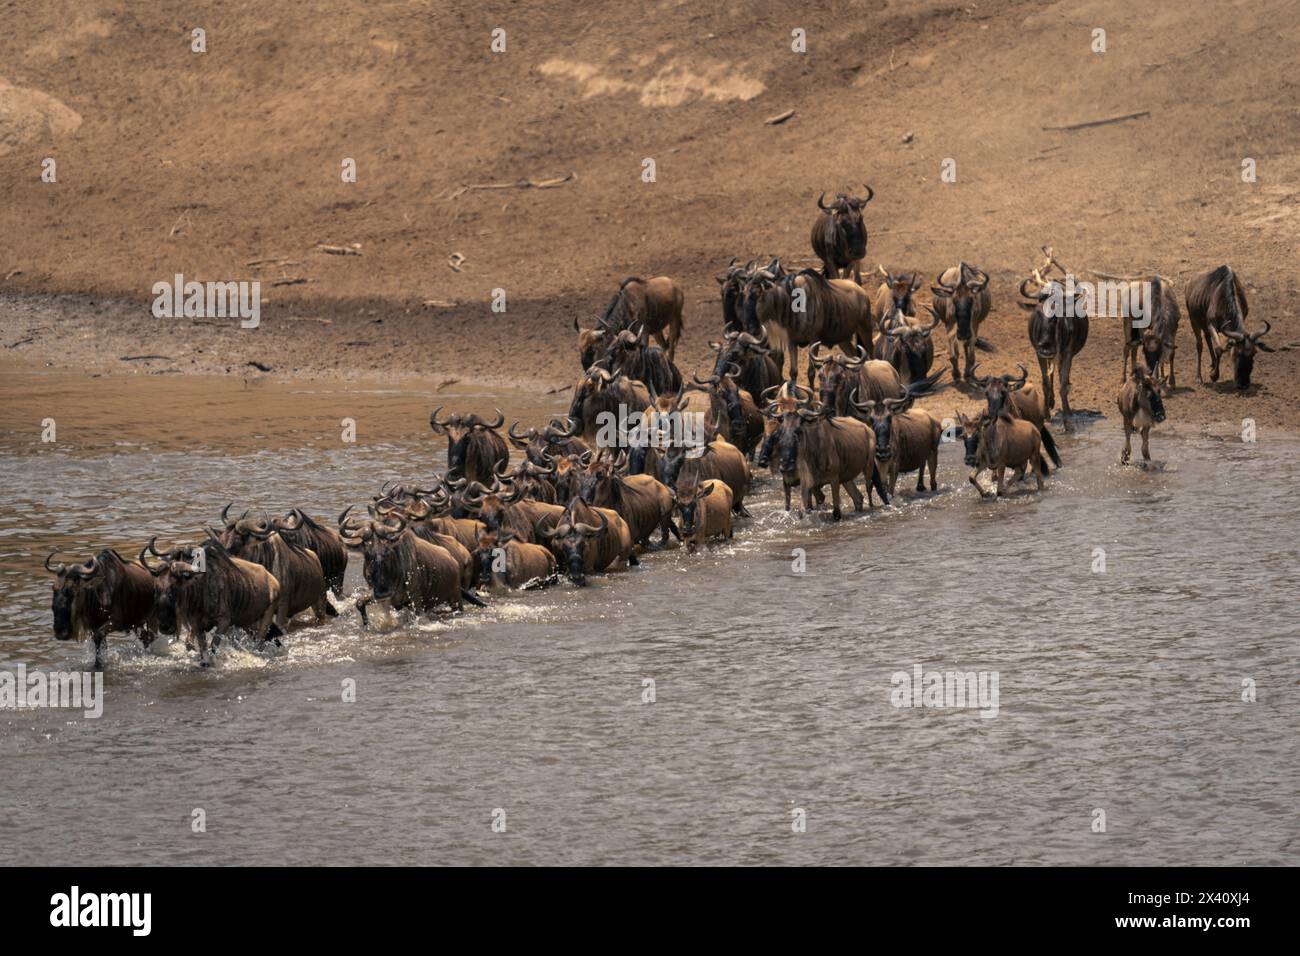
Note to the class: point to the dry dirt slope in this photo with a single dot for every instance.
(171, 161)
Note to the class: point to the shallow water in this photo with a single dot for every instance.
(1119, 690)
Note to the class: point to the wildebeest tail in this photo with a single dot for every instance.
(470, 598)
(927, 384)
(1049, 445)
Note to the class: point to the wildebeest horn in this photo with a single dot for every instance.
(821, 201)
(282, 524)
(224, 511)
(981, 381)
(592, 529)
(524, 437)
(856, 362)
(868, 406)
(437, 426)
(711, 380)
(1256, 336)
(1234, 336)
(59, 570)
(500, 420)
(389, 530)
(1023, 293)
(151, 547)
(1014, 383)
(813, 357)
(540, 526)
(935, 315)
(940, 284)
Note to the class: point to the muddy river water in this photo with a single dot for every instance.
(733, 707)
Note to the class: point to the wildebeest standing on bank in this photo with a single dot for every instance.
(962, 301)
(1058, 331)
(1158, 338)
(907, 345)
(229, 592)
(896, 293)
(108, 593)
(652, 307)
(839, 237)
(705, 508)
(834, 311)
(1141, 407)
(907, 439)
(732, 284)
(474, 449)
(1217, 306)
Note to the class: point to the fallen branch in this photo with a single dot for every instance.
(144, 358)
(1101, 122)
(517, 184)
(296, 280)
(353, 249)
(778, 119)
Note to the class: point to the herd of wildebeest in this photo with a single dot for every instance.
(642, 451)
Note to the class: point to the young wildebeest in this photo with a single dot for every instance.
(1156, 331)
(227, 593)
(834, 311)
(839, 237)
(1020, 398)
(896, 293)
(1217, 306)
(962, 301)
(474, 449)
(997, 442)
(642, 501)
(719, 459)
(907, 439)
(1141, 407)
(401, 568)
(587, 539)
(906, 345)
(503, 561)
(815, 449)
(108, 593)
(1058, 331)
(299, 571)
(705, 508)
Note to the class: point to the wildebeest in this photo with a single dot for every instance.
(642, 501)
(1020, 398)
(506, 509)
(474, 449)
(1141, 407)
(586, 539)
(998, 442)
(653, 307)
(757, 370)
(962, 301)
(106, 594)
(1158, 338)
(228, 592)
(705, 508)
(402, 568)
(300, 530)
(1058, 331)
(605, 405)
(1217, 306)
(535, 481)
(839, 376)
(798, 309)
(907, 439)
(896, 293)
(839, 237)
(744, 420)
(299, 571)
(646, 364)
(907, 345)
(815, 449)
(557, 438)
(718, 459)
(501, 560)
(432, 509)
(732, 284)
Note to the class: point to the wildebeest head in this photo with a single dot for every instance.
(485, 555)
(732, 284)
(81, 597)
(460, 429)
(245, 537)
(599, 477)
(761, 288)
(379, 542)
(174, 577)
(845, 213)
(971, 429)
(790, 434)
(1055, 305)
(489, 505)
(1243, 346)
(1147, 390)
(687, 498)
(571, 535)
(880, 416)
(911, 340)
(836, 373)
(998, 388)
(901, 287)
(735, 348)
(961, 296)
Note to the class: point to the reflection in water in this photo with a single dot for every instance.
(1120, 689)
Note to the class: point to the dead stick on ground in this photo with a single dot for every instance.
(1100, 122)
(778, 118)
(517, 184)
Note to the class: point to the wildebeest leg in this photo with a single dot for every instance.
(812, 370)
(361, 607)
(794, 362)
(786, 486)
(805, 496)
(1216, 352)
(202, 638)
(934, 470)
(1036, 462)
(877, 481)
(324, 609)
(1128, 442)
(952, 355)
(1170, 373)
(98, 638)
(968, 348)
(1065, 362)
(836, 514)
(1146, 446)
(855, 494)
(974, 479)
(669, 527)
(1049, 392)
(1000, 474)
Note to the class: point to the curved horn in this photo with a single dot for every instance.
(59, 570)
(981, 381)
(1256, 336)
(501, 420)
(821, 202)
(812, 354)
(437, 426)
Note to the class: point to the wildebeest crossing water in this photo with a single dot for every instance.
(684, 710)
